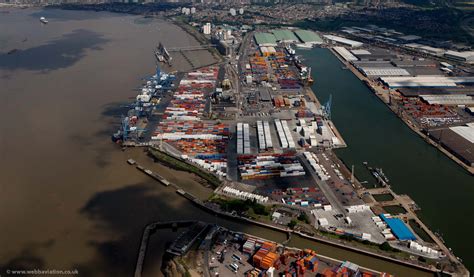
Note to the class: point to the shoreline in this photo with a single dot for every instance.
(286, 230)
(200, 204)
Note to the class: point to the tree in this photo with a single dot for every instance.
(386, 247)
(292, 224)
(303, 217)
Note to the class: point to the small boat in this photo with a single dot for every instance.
(43, 20)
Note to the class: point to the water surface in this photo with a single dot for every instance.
(442, 189)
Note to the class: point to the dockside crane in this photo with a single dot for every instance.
(327, 107)
(123, 134)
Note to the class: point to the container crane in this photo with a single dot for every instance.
(123, 133)
(327, 107)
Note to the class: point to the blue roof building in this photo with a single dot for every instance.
(399, 229)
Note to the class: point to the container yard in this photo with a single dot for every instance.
(269, 166)
(244, 255)
(265, 136)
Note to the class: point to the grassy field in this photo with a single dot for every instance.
(181, 165)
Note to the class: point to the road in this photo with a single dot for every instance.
(323, 185)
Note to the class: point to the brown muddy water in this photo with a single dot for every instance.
(68, 200)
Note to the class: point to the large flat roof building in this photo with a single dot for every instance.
(448, 100)
(467, 56)
(399, 229)
(265, 39)
(285, 36)
(426, 49)
(308, 37)
(458, 140)
(434, 81)
(345, 41)
(345, 54)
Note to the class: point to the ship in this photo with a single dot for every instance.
(162, 54)
(43, 20)
(291, 51)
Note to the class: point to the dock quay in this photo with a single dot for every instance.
(182, 244)
(289, 231)
(147, 232)
(385, 95)
(261, 134)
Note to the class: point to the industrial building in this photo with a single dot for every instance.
(384, 71)
(398, 228)
(409, 38)
(345, 54)
(467, 57)
(426, 81)
(265, 39)
(447, 100)
(308, 37)
(426, 49)
(375, 54)
(458, 140)
(414, 63)
(285, 36)
(344, 41)
(417, 91)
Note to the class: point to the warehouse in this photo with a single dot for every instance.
(399, 229)
(285, 36)
(467, 56)
(375, 54)
(384, 71)
(414, 63)
(308, 37)
(341, 40)
(419, 81)
(458, 141)
(417, 91)
(265, 39)
(453, 99)
(409, 38)
(345, 54)
(361, 52)
(426, 49)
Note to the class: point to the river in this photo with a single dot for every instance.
(68, 199)
(442, 189)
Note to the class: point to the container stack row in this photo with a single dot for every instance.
(240, 138)
(268, 166)
(261, 136)
(246, 138)
(318, 168)
(245, 195)
(183, 126)
(289, 137)
(268, 136)
(281, 134)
